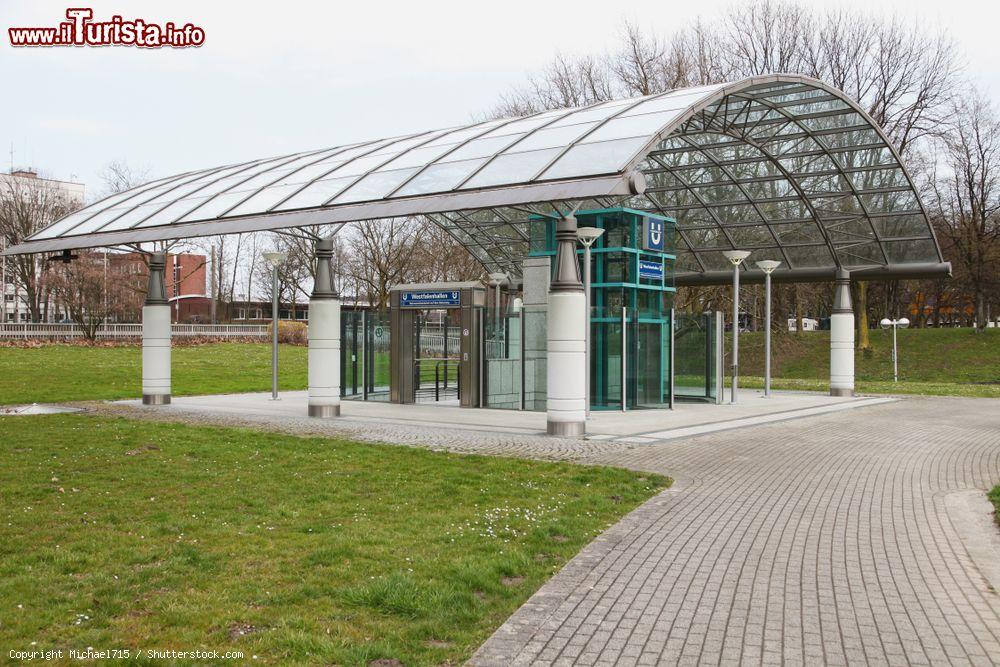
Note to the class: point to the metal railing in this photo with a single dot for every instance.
(54, 331)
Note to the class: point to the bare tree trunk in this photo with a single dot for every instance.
(212, 290)
(798, 309)
(864, 340)
(980, 309)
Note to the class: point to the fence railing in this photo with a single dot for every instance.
(62, 330)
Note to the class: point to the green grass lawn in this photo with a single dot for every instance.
(129, 534)
(994, 496)
(54, 373)
(952, 362)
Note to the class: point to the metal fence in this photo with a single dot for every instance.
(65, 331)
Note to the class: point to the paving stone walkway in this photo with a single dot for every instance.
(827, 540)
(857, 537)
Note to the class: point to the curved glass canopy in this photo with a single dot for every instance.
(783, 165)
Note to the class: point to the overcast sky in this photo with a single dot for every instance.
(296, 75)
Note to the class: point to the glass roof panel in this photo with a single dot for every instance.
(901, 252)
(512, 168)
(375, 185)
(440, 177)
(418, 157)
(551, 138)
(605, 157)
(316, 193)
(597, 113)
(633, 126)
(526, 124)
(481, 148)
(264, 199)
(900, 226)
(807, 257)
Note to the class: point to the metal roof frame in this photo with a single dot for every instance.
(782, 165)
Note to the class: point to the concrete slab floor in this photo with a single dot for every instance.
(634, 426)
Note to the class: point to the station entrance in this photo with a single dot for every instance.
(437, 343)
(464, 344)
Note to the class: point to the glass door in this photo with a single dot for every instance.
(376, 357)
(351, 352)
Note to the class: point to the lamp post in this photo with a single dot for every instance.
(587, 236)
(275, 259)
(736, 258)
(497, 279)
(767, 266)
(901, 323)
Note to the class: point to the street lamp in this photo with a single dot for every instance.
(497, 279)
(767, 266)
(275, 259)
(901, 323)
(587, 236)
(736, 258)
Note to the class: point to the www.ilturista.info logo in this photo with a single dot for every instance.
(81, 30)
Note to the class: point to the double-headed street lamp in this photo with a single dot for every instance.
(587, 236)
(901, 323)
(767, 266)
(736, 258)
(275, 259)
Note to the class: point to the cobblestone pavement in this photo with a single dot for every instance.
(820, 541)
(827, 540)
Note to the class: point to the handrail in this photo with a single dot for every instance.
(440, 378)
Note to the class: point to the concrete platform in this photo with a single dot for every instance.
(634, 426)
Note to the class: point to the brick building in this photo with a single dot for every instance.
(186, 279)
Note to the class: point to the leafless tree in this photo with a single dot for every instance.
(27, 205)
(903, 75)
(438, 257)
(381, 256)
(966, 199)
(80, 289)
(118, 176)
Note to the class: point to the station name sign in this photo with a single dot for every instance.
(650, 270)
(429, 299)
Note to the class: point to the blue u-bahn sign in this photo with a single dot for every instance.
(654, 235)
(650, 270)
(430, 299)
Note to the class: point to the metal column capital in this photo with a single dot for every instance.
(567, 274)
(842, 292)
(323, 283)
(156, 292)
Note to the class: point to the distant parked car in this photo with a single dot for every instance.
(808, 324)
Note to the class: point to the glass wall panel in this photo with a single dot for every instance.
(503, 357)
(535, 357)
(695, 357)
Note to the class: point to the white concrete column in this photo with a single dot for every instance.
(566, 336)
(156, 336)
(324, 338)
(842, 338)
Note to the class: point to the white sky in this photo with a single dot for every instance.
(296, 75)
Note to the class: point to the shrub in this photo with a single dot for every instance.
(291, 333)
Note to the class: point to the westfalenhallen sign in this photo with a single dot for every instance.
(80, 29)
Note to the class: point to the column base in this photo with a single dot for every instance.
(566, 429)
(839, 391)
(324, 411)
(156, 399)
